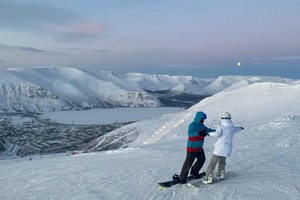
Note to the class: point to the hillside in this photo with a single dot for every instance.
(62, 88)
(254, 104)
(265, 155)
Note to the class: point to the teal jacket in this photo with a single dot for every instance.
(195, 140)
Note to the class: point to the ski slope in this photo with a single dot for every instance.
(265, 155)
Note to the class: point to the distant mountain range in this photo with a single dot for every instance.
(64, 88)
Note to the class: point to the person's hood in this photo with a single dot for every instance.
(199, 116)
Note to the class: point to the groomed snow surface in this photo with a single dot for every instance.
(265, 155)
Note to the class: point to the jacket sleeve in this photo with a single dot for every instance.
(216, 133)
(208, 130)
(238, 128)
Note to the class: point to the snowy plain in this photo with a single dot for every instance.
(265, 155)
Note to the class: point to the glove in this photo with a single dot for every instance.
(242, 128)
(203, 133)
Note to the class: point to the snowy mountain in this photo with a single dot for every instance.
(234, 82)
(185, 84)
(63, 88)
(265, 155)
(255, 103)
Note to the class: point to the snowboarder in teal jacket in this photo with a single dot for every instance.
(196, 133)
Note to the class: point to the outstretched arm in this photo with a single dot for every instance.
(208, 130)
(238, 128)
(217, 133)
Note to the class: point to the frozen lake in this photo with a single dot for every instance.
(108, 116)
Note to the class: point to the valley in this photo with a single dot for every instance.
(26, 133)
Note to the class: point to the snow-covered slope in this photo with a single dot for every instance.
(63, 88)
(194, 86)
(29, 97)
(114, 77)
(254, 104)
(265, 155)
(186, 84)
(234, 82)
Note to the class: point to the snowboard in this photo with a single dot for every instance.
(172, 183)
(228, 175)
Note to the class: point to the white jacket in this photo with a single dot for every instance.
(225, 133)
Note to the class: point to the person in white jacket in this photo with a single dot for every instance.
(223, 147)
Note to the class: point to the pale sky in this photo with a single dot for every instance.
(177, 37)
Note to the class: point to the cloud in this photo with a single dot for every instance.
(82, 31)
(278, 60)
(291, 58)
(19, 48)
(64, 25)
(185, 66)
(88, 28)
(90, 50)
(26, 16)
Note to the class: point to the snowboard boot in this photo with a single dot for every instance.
(221, 175)
(196, 176)
(176, 179)
(208, 179)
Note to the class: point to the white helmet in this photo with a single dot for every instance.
(226, 115)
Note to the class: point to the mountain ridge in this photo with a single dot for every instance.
(40, 89)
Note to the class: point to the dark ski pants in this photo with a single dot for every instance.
(190, 158)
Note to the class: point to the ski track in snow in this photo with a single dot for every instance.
(168, 127)
(133, 173)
